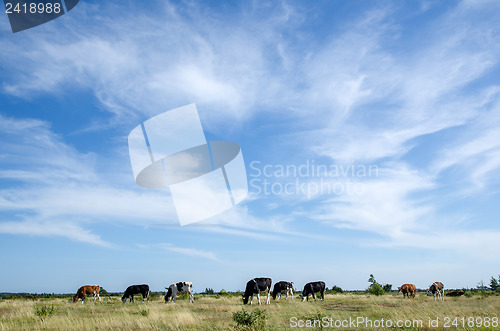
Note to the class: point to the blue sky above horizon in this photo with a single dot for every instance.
(410, 88)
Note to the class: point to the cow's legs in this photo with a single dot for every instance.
(191, 297)
(268, 301)
(258, 298)
(314, 297)
(83, 299)
(251, 299)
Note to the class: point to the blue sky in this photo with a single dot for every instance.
(407, 88)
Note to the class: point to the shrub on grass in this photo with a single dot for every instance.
(224, 293)
(44, 311)
(255, 319)
(375, 289)
(469, 294)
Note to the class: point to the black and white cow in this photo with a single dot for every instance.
(136, 289)
(179, 287)
(437, 290)
(311, 288)
(282, 286)
(255, 286)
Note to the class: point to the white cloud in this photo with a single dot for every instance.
(384, 206)
(192, 252)
(64, 229)
(146, 65)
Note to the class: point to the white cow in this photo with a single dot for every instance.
(179, 287)
(437, 290)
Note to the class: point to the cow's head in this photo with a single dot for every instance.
(399, 289)
(75, 298)
(431, 289)
(245, 299)
(168, 294)
(124, 298)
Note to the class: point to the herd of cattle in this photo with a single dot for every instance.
(254, 287)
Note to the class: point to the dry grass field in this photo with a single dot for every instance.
(216, 313)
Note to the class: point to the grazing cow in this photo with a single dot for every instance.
(179, 287)
(437, 290)
(87, 290)
(408, 290)
(311, 288)
(255, 286)
(282, 286)
(136, 289)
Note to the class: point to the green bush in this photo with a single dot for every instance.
(375, 289)
(336, 289)
(224, 293)
(485, 293)
(387, 288)
(255, 319)
(44, 311)
(144, 312)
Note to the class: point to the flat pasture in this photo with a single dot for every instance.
(213, 312)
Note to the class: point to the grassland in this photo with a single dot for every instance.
(216, 313)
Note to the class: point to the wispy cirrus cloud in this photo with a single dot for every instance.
(65, 229)
(368, 90)
(191, 252)
(171, 57)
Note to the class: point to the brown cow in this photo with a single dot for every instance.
(408, 290)
(87, 290)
